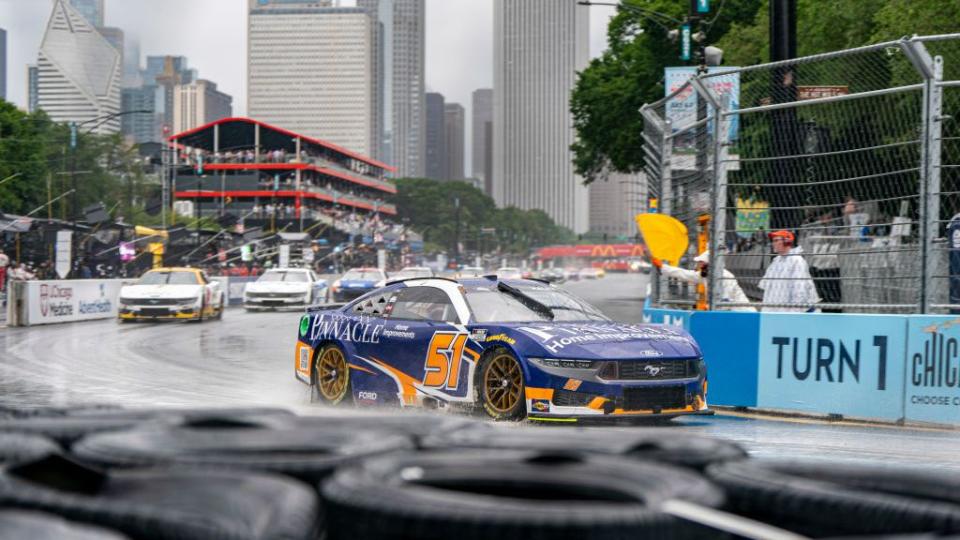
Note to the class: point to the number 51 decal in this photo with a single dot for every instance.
(444, 358)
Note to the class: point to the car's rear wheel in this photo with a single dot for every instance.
(331, 375)
(501, 386)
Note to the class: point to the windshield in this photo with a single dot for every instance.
(295, 277)
(489, 304)
(363, 275)
(169, 278)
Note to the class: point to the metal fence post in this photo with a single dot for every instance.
(718, 189)
(659, 181)
(932, 72)
(718, 224)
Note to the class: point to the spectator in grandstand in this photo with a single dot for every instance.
(787, 280)
(730, 290)
(21, 273)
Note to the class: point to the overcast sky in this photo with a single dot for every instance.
(212, 35)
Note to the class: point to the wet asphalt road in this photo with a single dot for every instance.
(247, 359)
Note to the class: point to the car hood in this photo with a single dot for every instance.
(595, 340)
(160, 291)
(279, 286)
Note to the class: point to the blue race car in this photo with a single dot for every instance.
(513, 348)
(355, 283)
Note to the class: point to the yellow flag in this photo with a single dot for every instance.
(665, 236)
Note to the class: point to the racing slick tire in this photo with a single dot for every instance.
(304, 450)
(657, 445)
(18, 447)
(223, 307)
(166, 503)
(28, 525)
(820, 499)
(482, 494)
(500, 386)
(331, 375)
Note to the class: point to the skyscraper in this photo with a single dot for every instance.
(78, 71)
(116, 38)
(143, 127)
(173, 73)
(539, 45)
(312, 69)
(91, 10)
(400, 49)
(199, 103)
(453, 116)
(614, 203)
(482, 119)
(33, 88)
(3, 64)
(435, 138)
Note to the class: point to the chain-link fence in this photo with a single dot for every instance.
(853, 155)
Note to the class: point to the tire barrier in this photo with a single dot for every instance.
(307, 451)
(21, 525)
(165, 503)
(260, 473)
(508, 494)
(827, 499)
(657, 445)
(18, 448)
(66, 427)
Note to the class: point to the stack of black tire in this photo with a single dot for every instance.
(267, 474)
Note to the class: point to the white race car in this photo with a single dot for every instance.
(282, 288)
(172, 293)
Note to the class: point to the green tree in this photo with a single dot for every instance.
(606, 101)
(429, 207)
(609, 93)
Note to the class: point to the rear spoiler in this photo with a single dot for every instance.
(325, 307)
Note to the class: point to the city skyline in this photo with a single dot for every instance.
(214, 38)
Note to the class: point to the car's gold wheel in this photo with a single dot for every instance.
(332, 374)
(502, 387)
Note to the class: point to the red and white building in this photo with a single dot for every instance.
(252, 170)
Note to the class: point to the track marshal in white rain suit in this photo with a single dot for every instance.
(730, 290)
(787, 279)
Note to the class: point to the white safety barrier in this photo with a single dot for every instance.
(50, 302)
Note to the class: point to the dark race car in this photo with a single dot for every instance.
(355, 283)
(515, 348)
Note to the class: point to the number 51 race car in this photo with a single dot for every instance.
(513, 348)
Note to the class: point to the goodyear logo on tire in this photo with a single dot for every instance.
(304, 325)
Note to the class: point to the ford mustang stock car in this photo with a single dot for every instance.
(284, 288)
(513, 348)
(356, 282)
(172, 293)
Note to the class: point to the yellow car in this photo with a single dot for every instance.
(172, 293)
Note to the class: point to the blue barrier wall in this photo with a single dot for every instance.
(830, 363)
(889, 367)
(932, 369)
(729, 344)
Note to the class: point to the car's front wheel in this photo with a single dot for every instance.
(501, 386)
(331, 375)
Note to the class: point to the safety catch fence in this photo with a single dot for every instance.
(854, 153)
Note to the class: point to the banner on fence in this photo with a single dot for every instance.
(50, 302)
(681, 110)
